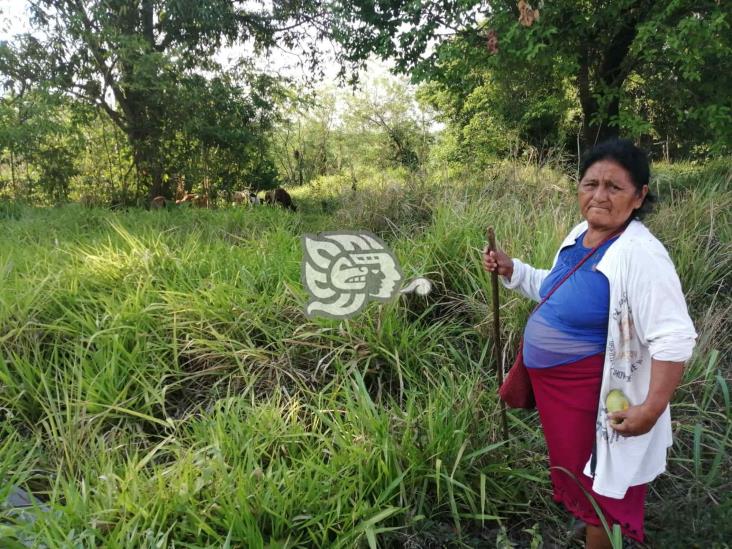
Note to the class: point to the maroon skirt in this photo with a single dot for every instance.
(566, 398)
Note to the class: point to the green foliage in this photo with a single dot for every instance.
(227, 142)
(41, 130)
(642, 68)
(387, 111)
(149, 66)
(379, 127)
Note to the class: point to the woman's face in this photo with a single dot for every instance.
(607, 195)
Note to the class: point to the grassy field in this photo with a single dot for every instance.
(160, 385)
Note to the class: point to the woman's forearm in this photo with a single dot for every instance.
(525, 279)
(665, 378)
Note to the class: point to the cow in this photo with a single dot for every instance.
(158, 202)
(200, 201)
(196, 200)
(249, 197)
(187, 199)
(239, 197)
(279, 196)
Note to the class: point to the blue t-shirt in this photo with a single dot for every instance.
(572, 324)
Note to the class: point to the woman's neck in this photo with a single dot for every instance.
(595, 236)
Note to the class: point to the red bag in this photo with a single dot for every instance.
(516, 390)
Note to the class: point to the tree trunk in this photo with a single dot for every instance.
(299, 170)
(29, 181)
(609, 77)
(12, 173)
(595, 124)
(158, 187)
(110, 164)
(140, 115)
(149, 168)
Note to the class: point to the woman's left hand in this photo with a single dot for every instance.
(636, 420)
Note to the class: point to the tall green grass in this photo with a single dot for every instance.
(161, 386)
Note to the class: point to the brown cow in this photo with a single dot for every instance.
(239, 197)
(187, 198)
(200, 201)
(279, 196)
(197, 200)
(158, 202)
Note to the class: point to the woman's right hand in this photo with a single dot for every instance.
(497, 261)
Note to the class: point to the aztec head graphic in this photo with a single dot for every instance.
(343, 270)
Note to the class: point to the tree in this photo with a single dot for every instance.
(134, 59)
(38, 127)
(600, 48)
(223, 129)
(386, 110)
(351, 132)
(304, 143)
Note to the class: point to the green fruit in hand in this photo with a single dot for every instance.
(616, 401)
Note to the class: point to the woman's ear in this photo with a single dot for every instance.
(642, 195)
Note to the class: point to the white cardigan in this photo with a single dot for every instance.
(648, 318)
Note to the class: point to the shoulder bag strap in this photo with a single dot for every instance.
(577, 266)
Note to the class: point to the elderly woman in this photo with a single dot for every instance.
(619, 321)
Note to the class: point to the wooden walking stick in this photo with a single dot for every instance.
(491, 236)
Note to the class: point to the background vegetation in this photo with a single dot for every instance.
(160, 384)
(115, 102)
